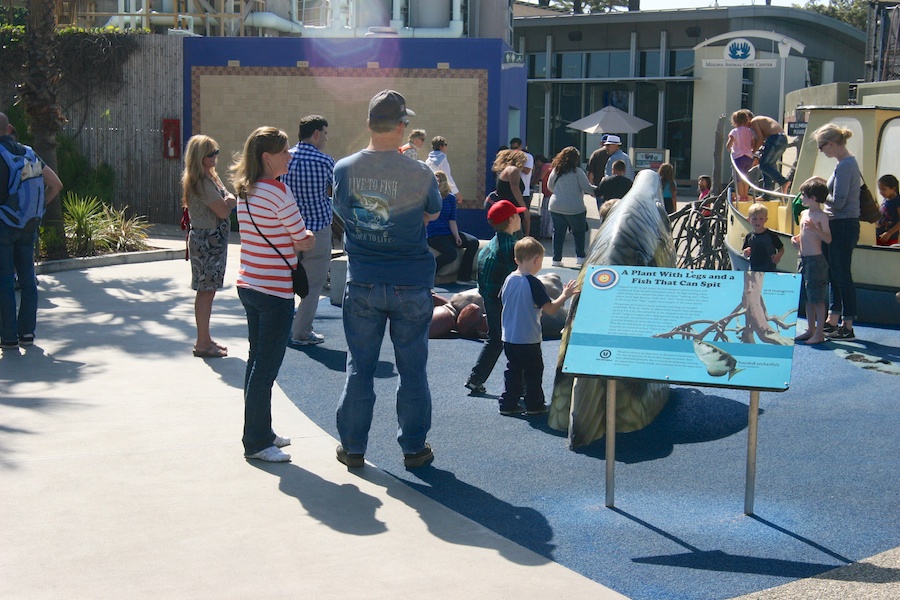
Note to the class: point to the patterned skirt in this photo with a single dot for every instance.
(208, 249)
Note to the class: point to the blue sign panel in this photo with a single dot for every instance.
(717, 328)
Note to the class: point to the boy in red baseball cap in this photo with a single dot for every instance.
(495, 262)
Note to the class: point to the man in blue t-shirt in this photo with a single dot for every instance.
(385, 200)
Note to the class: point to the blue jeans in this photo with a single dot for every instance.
(844, 237)
(578, 225)
(17, 258)
(367, 309)
(446, 247)
(768, 162)
(269, 325)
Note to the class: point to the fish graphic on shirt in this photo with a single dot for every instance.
(717, 361)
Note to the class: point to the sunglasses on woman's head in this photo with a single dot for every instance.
(212, 154)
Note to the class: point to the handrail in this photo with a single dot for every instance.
(755, 187)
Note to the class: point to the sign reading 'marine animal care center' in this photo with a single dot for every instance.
(740, 53)
(716, 328)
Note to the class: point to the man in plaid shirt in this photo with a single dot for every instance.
(309, 176)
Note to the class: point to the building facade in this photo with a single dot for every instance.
(664, 67)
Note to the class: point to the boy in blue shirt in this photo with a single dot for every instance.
(524, 298)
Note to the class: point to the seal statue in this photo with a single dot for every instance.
(636, 232)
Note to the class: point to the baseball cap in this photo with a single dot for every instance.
(503, 210)
(388, 105)
(613, 139)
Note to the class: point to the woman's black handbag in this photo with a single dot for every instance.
(868, 208)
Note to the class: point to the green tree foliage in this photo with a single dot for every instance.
(853, 12)
(38, 92)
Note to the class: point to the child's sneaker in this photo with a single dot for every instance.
(476, 388)
(829, 328)
(538, 411)
(512, 412)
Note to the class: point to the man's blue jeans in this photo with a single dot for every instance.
(768, 162)
(17, 258)
(367, 309)
(269, 325)
(844, 237)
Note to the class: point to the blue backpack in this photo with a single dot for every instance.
(24, 207)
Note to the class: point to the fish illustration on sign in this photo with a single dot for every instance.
(717, 361)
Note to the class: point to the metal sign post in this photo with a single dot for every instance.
(752, 423)
(610, 443)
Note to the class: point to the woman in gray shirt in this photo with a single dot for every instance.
(569, 184)
(842, 208)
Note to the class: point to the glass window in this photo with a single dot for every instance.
(608, 64)
(535, 117)
(537, 66)
(568, 102)
(679, 122)
(681, 63)
(648, 63)
(570, 65)
(814, 69)
(646, 106)
(747, 89)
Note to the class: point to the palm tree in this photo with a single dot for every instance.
(38, 93)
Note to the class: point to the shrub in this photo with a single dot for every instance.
(124, 234)
(86, 222)
(80, 178)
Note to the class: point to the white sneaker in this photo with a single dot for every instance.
(556, 263)
(270, 454)
(579, 261)
(281, 442)
(310, 340)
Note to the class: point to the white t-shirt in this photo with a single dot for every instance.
(526, 177)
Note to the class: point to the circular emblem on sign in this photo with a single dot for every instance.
(740, 49)
(605, 354)
(603, 279)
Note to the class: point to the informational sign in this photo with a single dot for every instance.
(796, 128)
(513, 59)
(715, 328)
(649, 158)
(740, 53)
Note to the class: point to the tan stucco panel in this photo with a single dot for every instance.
(229, 102)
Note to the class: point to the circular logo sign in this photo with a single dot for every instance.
(603, 279)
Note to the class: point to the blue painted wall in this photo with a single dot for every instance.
(506, 87)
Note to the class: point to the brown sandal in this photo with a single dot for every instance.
(212, 351)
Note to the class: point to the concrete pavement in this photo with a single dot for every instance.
(123, 475)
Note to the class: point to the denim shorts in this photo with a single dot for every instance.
(814, 269)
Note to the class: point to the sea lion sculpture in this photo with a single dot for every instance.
(551, 325)
(636, 232)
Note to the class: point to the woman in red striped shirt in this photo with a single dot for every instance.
(271, 228)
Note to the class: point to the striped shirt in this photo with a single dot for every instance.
(310, 174)
(276, 214)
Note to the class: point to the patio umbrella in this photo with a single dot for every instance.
(610, 119)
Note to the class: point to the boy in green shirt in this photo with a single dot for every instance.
(495, 262)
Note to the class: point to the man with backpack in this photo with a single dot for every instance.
(28, 184)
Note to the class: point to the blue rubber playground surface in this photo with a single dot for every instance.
(826, 484)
